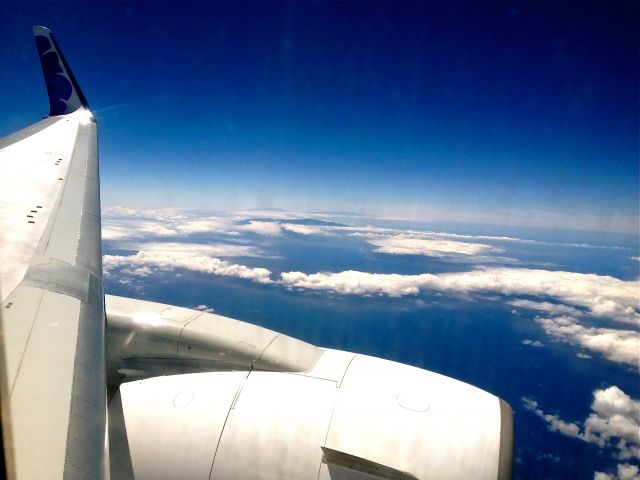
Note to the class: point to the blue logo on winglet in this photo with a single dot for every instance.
(58, 84)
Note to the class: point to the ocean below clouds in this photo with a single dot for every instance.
(551, 326)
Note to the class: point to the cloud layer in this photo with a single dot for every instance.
(602, 296)
(164, 240)
(403, 245)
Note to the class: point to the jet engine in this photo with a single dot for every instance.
(200, 396)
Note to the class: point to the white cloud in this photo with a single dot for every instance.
(132, 229)
(621, 346)
(354, 282)
(127, 212)
(225, 223)
(261, 228)
(637, 259)
(403, 245)
(120, 223)
(554, 422)
(532, 343)
(271, 214)
(142, 271)
(187, 258)
(377, 232)
(306, 229)
(614, 423)
(113, 233)
(524, 241)
(553, 308)
(156, 229)
(208, 249)
(206, 225)
(625, 471)
(603, 296)
(581, 294)
(584, 356)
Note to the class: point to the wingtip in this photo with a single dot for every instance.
(40, 30)
(64, 92)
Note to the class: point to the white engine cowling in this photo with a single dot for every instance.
(350, 416)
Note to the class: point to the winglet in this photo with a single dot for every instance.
(65, 95)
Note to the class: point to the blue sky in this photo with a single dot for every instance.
(513, 113)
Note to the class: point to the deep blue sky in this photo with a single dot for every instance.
(487, 112)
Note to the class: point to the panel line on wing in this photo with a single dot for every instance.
(10, 317)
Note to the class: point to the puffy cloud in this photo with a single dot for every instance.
(637, 259)
(358, 283)
(126, 223)
(156, 229)
(113, 233)
(142, 271)
(553, 308)
(532, 343)
(614, 423)
(133, 229)
(603, 296)
(261, 228)
(402, 245)
(625, 471)
(188, 258)
(306, 229)
(621, 346)
(615, 420)
(554, 422)
(206, 225)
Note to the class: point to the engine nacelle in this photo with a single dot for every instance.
(210, 397)
(350, 416)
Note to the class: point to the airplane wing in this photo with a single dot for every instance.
(52, 311)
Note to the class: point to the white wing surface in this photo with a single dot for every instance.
(52, 312)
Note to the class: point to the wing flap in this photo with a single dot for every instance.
(40, 394)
